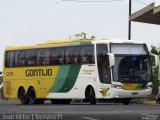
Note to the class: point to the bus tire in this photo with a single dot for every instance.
(126, 101)
(92, 98)
(2, 93)
(23, 96)
(32, 96)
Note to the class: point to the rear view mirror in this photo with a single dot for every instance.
(111, 59)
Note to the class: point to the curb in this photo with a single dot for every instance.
(150, 102)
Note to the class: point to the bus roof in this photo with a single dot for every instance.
(71, 42)
(119, 41)
(67, 41)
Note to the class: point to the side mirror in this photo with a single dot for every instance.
(1, 72)
(111, 59)
(155, 60)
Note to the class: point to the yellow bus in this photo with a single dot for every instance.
(89, 69)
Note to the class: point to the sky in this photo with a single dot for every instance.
(35, 21)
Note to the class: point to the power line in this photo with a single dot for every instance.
(101, 1)
(91, 0)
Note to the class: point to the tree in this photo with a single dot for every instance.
(82, 35)
(154, 50)
(154, 71)
(93, 36)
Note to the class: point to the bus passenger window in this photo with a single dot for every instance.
(9, 59)
(21, 58)
(76, 55)
(72, 55)
(67, 56)
(46, 57)
(43, 57)
(57, 56)
(31, 57)
(52, 58)
(61, 57)
(87, 54)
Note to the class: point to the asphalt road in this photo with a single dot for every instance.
(78, 111)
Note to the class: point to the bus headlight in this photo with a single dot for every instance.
(117, 86)
(149, 86)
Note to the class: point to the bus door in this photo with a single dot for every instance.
(103, 66)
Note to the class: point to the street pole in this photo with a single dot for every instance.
(129, 23)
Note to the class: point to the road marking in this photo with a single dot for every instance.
(89, 118)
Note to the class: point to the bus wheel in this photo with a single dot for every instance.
(32, 96)
(92, 96)
(126, 101)
(23, 96)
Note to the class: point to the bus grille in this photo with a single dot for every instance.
(8, 87)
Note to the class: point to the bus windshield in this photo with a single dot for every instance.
(133, 67)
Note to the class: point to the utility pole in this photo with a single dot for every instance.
(129, 21)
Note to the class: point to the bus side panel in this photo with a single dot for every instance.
(83, 76)
(29, 77)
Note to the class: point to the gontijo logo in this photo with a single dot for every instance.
(88, 71)
(38, 72)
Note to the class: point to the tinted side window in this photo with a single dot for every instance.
(43, 56)
(9, 59)
(57, 56)
(6, 59)
(72, 55)
(87, 54)
(31, 57)
(21, 58)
